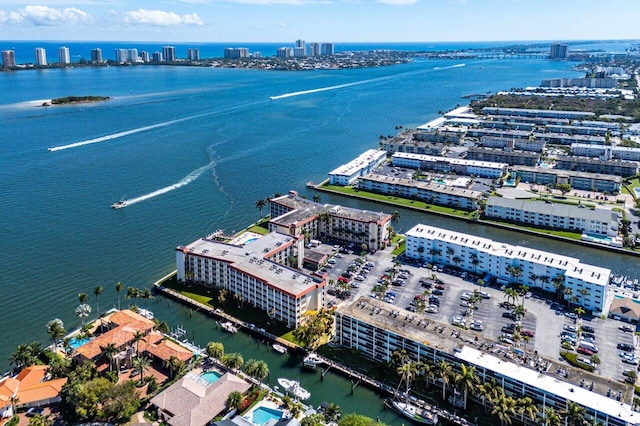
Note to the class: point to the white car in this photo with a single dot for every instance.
(459, 321)
(476, 326)
(466, 296)
(485, 295)
(431, 309)
(359, 278)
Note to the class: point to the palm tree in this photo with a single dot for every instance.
(175, 365)
(83, 311)
(519, 311)
(528, 407)
(146, 295)
(110, 351)
(574, 413)
(233, 361)
(235, 400)
(14, 400)
(260, 205)
(444, 371)
(551, 418)
(24, 355)
(137, 337)
(427, 370)
(332, 413)
(467, 380)
(119, 286)
(317, 198)
(142, 364)
(215, 350)
(395, 217)
(97, 291)
(56, 330)
(579, 311)
(132, 293)
(504, 407)
(82, 297)
(407, 372)
(399, 357)
(489, 391)
(256, 369)
(511, 295)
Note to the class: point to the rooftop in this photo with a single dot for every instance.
(427, 186)
(565, 210)
(459, 161)
(363, 160)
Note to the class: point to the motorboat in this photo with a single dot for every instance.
(293, 387)
(120, 204)
(413, 412)
(229, 327)
(312, 360)
(279, 348)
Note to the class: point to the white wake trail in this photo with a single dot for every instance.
(183, 182)
(326, 89)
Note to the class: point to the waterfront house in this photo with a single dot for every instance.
(30, 388)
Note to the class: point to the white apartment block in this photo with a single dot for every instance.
(63, 55)
(430, 192)
(588, 283)
(292, 215)
(346, 174)
(257, 272)
(553, 216)
(486, 169)
(577, 180)
(41, 56)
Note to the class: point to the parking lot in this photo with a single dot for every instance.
(491, 317)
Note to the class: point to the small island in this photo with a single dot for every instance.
(76, 100)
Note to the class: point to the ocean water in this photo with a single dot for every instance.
(193, 149)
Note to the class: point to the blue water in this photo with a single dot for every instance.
(193, 149)
(75, 343)
(262, 415)
(211, 376)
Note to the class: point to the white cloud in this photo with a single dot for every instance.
(160, 18)
(260, 2)
(48, 16)
(10, 17)
(398, 2)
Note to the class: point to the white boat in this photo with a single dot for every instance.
(293, 388)
(279, 348)
(228, 326)
(120, 204)
(413, 412)
(312, 360)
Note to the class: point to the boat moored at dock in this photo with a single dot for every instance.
(279, 348)
(229, 327)
(417, 414)
(312, 361)
(293, 387)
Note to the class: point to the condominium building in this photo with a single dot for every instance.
(132, 56)
(63, 55)
(284, 52)
(590, 165)
(538, 113)
(96, 55)
(144, 56)
(156, 57)
(314, 49)
(430, 192)
(236, 52)
(327, 49)
(293, 215)
(511, 158)
(553, 216)
(508, 263)
(8, 58)
(413, 146)
(121, 55)
(377, 329)
(41, 56)
(169, 53)
(347, 174)
(512, 144)
(559, 51)
(485, 169)
(606, 152)
(578, 180)
(193, 54)
(257, 272)
(300, 49)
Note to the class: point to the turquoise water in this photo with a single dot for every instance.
(76, 343)
(637, 191)
(211, 376)
(598, 237)
(262, 415)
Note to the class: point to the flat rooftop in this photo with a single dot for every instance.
(459, 161)
(573, 173)
(363, 160)
(427, 186)
(565, 210)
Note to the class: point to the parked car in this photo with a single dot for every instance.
(571, 315)
(527, 333)
(33, 411)
(411, 308)
(584, 351)
(438, 292)
(571, 328)
(431, 309)
(485, 295)
(588, 329)
(625, 347)
(626, 328)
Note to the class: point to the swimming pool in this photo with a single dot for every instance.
(76, 342)
(211, 376)
(262, 415)
(637, 191)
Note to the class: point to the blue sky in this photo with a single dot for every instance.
(318, 20)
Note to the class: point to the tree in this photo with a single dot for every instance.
(110, 351)
(317, 198)
(528, 407)
(407, 372)
(233, 361)
(142, 364)
(551, 417)
(82, 297)
(467, 381)
(563, 188)
(146, 295)
(175, 365)
(354, 419)
(504, 407)
(83, 311)
(574, 413)
(132, 293)
(97, 291)
(25, 355)
(215, 350)
(444, 371)
(332, 413)
(395, 217)
(56, 330)
(118, 286)
(579, 311)
(511, 295)
(316, 419)
(260, 205)
(137, 337)
(235, 400)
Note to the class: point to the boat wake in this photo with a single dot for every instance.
(326, 89)
(182, 182)
(449, 67)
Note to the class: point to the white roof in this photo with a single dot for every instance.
(365, 159)
(461, 161)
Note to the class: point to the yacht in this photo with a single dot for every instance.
(229, 327)
(293, 387)
(120, 204)
(413, 412)
(312, 360)
(279, 348)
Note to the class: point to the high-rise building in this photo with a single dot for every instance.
(256, 55)
(96, 55)
(63, 55)
(300, 50)
(193, 54)
(132, 55)
(144, 56)
(121, 55)
(157, 57)
(327, 49)
(169, 53)
(236, 52)
(314, 49)
(8, 58)
(41, 56)
(284, 52)
(559, 51)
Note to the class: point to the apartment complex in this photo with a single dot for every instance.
(258, 272)
(347, 174)
(96, 55)
(169, 53)
(591, 165)
(41, 56)
(559, 51)
(508, 263)
(511, 158)
(487, 169)
(606, 152)
(553, 216)
(577, 180)
(376, 329)
(295, 216)
(63, 55)
(8, 58)
(430, 192)
(236, 52)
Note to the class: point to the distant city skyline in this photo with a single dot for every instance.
(319, 20)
